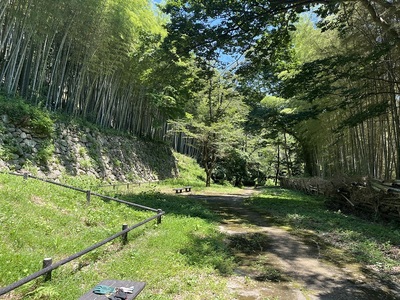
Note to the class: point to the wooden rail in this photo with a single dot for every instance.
(127, 184)
(48, 266)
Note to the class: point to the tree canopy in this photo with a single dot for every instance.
(306, 84)
(208, 27)
(337, 74)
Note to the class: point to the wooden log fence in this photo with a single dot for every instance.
(48, 265)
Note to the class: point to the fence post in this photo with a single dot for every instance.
(125, 235)
(88, 193)
(159, 211)
(47, 263)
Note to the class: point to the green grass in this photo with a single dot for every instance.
(181, 256)
(363, 241)
(184, 257)
(190, 174)
(40, 220)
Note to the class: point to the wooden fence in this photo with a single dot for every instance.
(49, 266)
(127, 184)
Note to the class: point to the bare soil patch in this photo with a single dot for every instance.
(274, 264)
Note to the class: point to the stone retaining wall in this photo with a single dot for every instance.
(76, 150)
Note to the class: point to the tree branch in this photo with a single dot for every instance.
(379, 20)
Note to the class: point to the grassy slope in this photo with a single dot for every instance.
(181, 256)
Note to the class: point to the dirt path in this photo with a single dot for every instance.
(274, 264)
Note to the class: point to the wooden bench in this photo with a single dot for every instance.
(138, 287)
(180, 190)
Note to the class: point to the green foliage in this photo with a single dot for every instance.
(86, 164)
(82, 151)
(188, 18)
(337, 81)
(8, 149)
(215, 120)
(97, 59)
(44, 220)
(27, 116)
(45, 152)
(363, 240)
(234, 167)
(311, 43)
(190, 173)
(371, 111)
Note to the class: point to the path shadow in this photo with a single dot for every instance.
(229, 210)
(330, 285)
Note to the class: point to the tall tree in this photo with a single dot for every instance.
(215, 120)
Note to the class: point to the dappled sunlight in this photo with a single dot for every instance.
(209, 251)
(266, 253)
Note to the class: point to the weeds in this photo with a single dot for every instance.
(179, 257)
(185, 256)
(24, 115)
(366, 242)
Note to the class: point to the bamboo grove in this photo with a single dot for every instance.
(334, 79)
(93, 59)
(351, 79)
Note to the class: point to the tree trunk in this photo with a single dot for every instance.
(278, 165)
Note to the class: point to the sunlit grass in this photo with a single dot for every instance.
(181, 256)
(190, 174)
(367, 242)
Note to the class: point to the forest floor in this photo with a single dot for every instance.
(274, 264)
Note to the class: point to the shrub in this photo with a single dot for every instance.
(46, 152)
(24, 115)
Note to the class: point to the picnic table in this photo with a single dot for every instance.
(137, 288)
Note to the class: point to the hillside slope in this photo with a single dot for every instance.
(73, 149)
